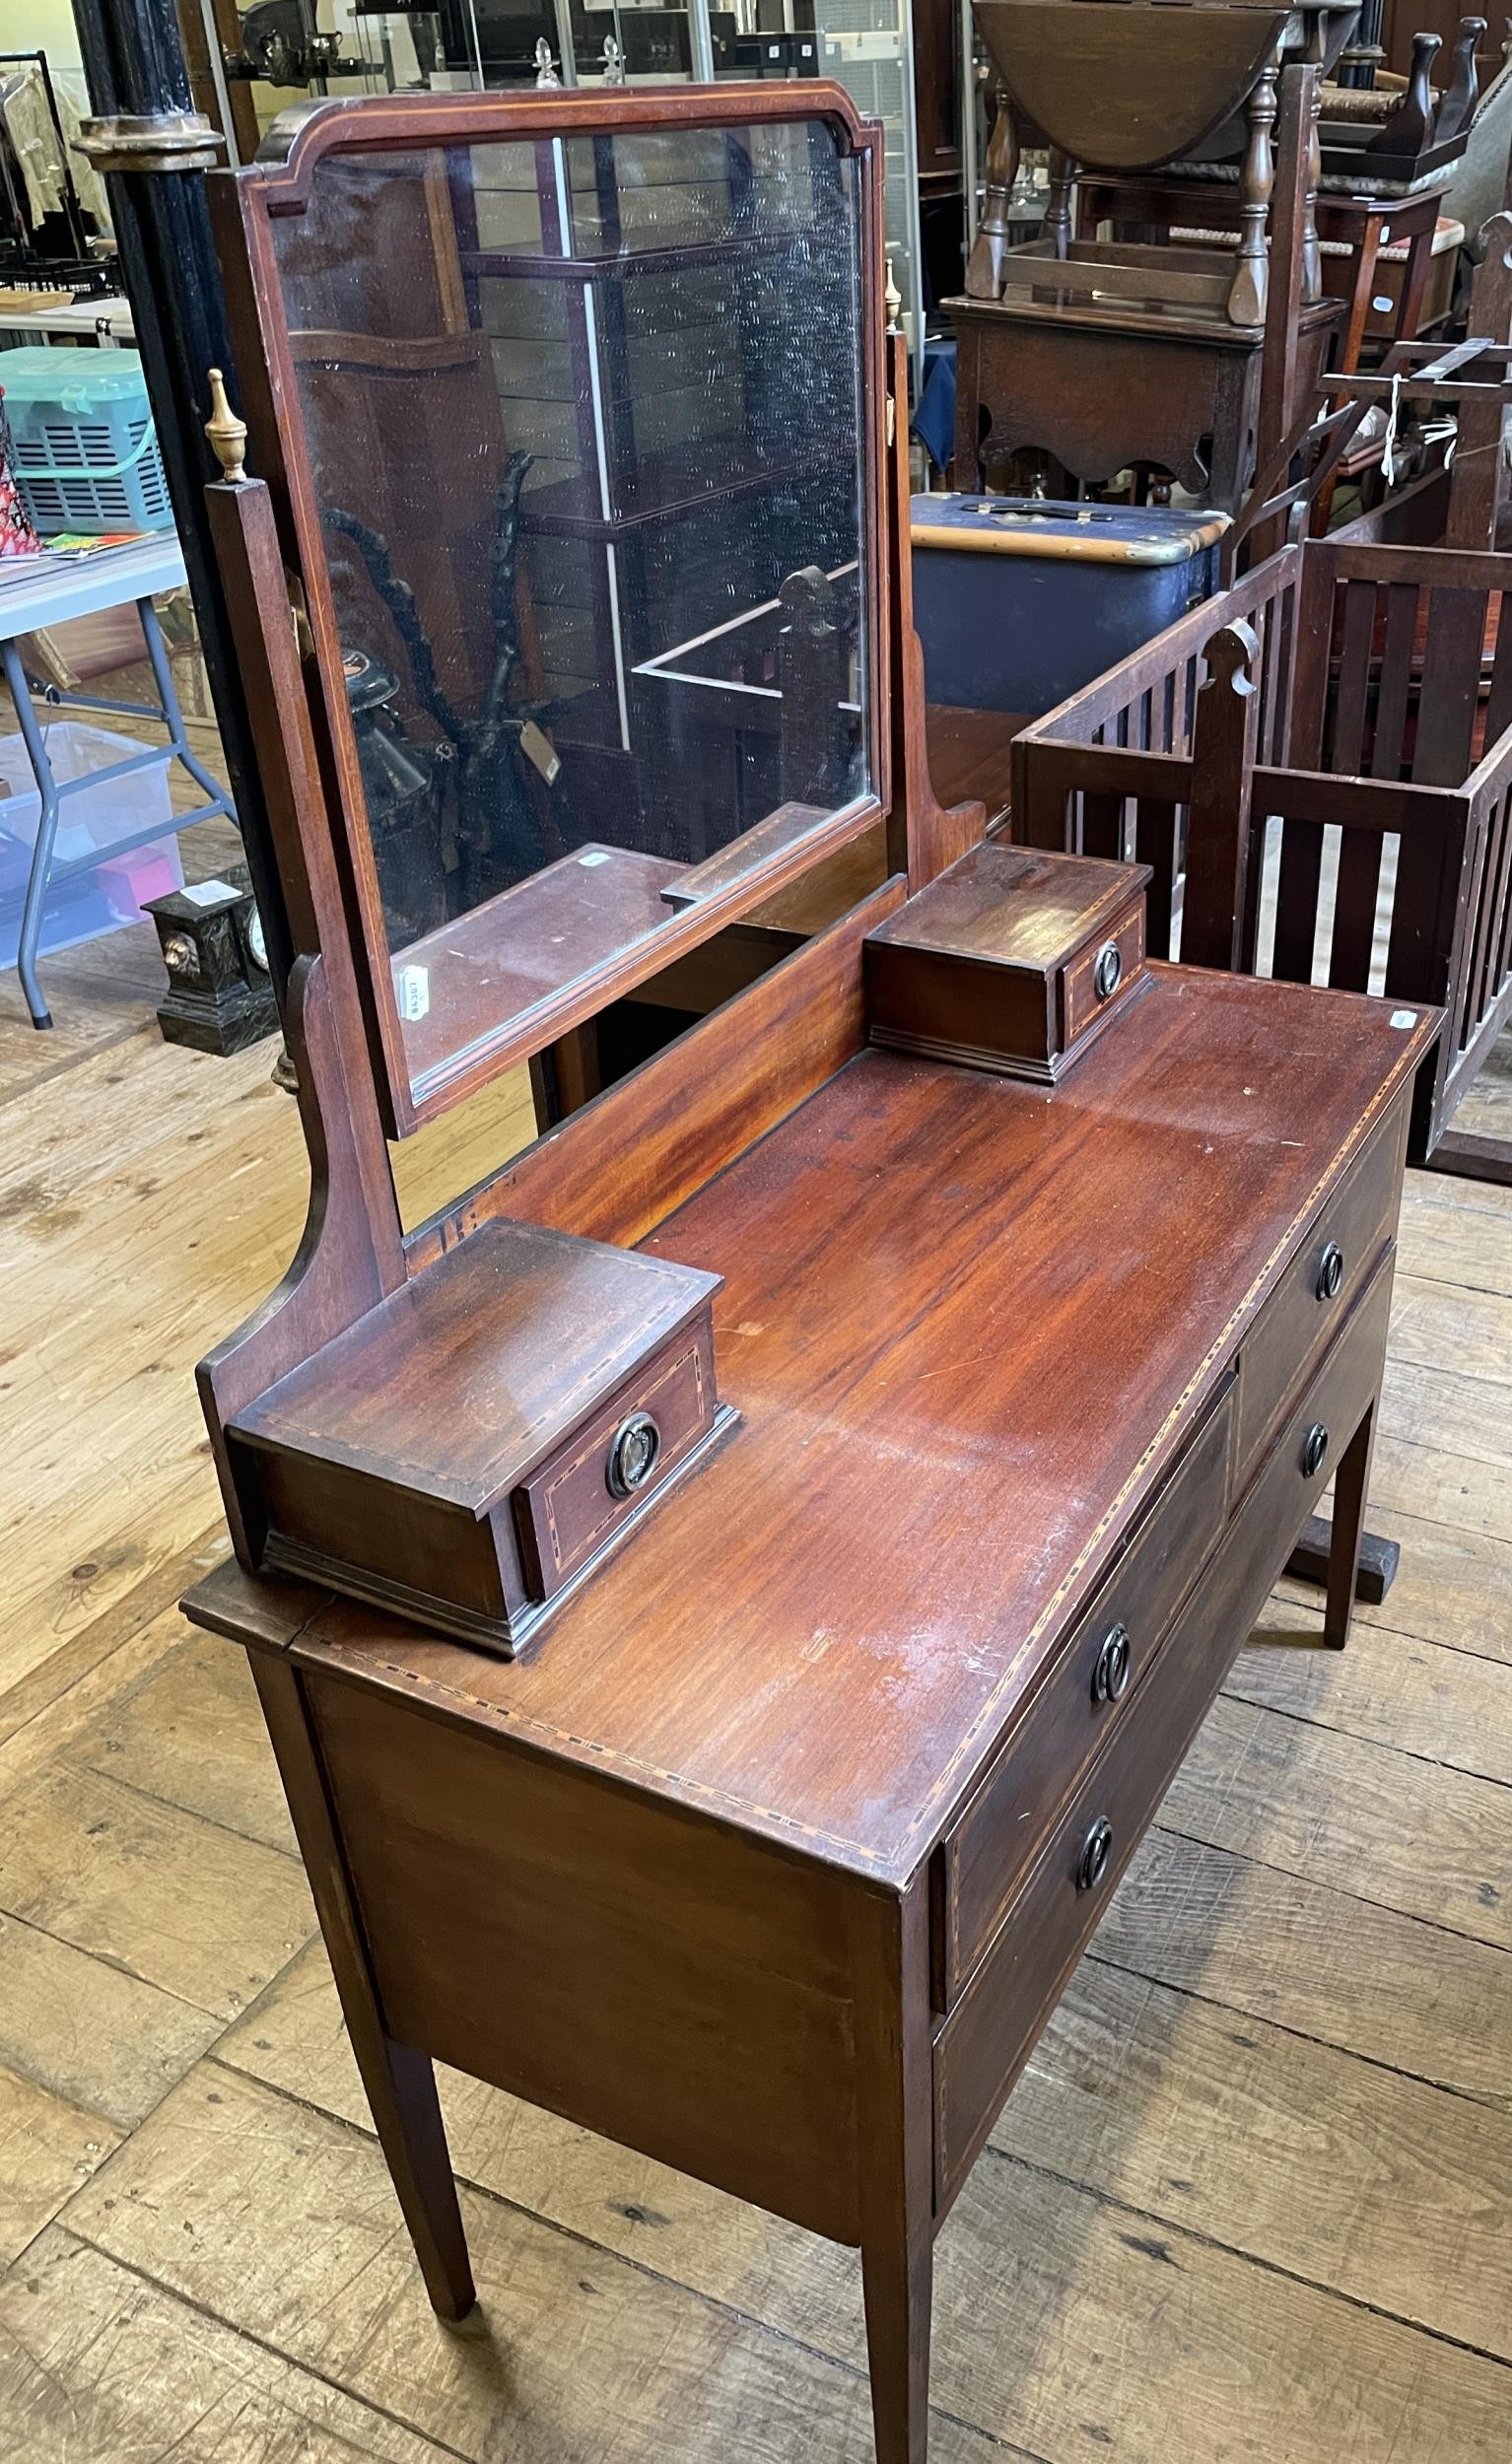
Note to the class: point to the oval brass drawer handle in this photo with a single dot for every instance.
(1110, 1673)
(1096, 1849)
(1330, 1273)
(1315, 1446)
(1108, 971)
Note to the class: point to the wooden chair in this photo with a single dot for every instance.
(1403, 133)
(1353, 231)
(1455, 507)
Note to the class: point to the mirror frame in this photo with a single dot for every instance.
(246, 205)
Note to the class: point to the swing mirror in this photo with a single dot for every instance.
(579, 414)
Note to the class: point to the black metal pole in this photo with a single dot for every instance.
(155, 148)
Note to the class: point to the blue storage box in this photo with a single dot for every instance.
(86, 454)
(1020, 601)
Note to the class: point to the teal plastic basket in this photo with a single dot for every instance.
(86, 452)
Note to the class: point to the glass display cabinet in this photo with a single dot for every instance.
(868, 46)
(452, 45)
(343, 48)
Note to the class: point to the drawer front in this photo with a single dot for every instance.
(578, 1500)
(981, 2048)
(1314, 1296)
(1087, 1693)
(1084, 1000)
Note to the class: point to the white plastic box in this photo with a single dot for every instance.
(107, 894)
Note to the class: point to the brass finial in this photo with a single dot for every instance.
(892, 298)
(226, 432)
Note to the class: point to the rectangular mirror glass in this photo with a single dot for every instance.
(584, 423)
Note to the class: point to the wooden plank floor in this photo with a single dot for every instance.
(1251, 2204)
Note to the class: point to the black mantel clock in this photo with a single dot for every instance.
(220, 993)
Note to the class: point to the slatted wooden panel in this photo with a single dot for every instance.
(1379, 666)
(1148, 705)
(1483, 992)
(1388, 751)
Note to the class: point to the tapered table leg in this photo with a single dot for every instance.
(1351, 1482)
(896, 2160)
(898, 2276)
(400, 2082)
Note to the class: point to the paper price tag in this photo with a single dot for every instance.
(414, 988)
(537, 747)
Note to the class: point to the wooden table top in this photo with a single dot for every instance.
(968, 1322)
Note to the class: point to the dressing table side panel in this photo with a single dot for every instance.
(630, 1965)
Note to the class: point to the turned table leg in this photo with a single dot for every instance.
(1058, 204)
(983, 267)
(400, 2084)
(1257, 179)
(895, 2156)
(1312, 254)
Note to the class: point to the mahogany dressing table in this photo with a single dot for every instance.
(830, 1474)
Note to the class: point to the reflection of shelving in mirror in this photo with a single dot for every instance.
(584, 422)
(765, 707)
(454, 45)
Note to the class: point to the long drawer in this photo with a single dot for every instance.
(1314, 1294)
(987, 1854)
(981, 2048)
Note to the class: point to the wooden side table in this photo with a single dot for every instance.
(1364, 225)
(1099, 387)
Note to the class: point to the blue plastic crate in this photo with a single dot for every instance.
(96, 897)
(86, 454)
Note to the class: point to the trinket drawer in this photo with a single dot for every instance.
(771, 1858)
